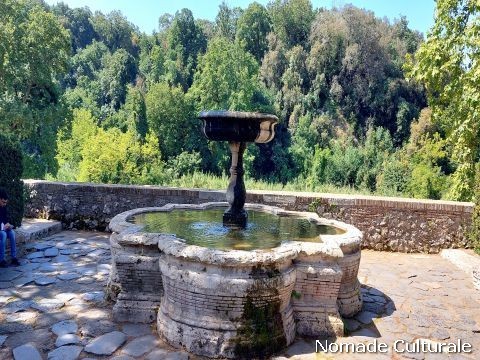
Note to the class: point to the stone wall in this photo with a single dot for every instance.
(391, 224)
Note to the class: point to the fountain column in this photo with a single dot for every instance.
(238, 128)
(236, 192)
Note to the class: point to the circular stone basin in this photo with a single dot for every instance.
(205, 228)
(236, 303)
(221, 125)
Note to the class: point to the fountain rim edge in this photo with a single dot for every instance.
(331, 247)
(236, 115)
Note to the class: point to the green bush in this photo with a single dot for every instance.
(426, 182)
(475, 231)
(394, 177)
(11, 169)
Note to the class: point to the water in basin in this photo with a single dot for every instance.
(205, 228)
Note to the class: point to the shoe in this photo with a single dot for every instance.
(3, 264)
(15, 262)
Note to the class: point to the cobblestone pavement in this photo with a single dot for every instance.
(52, 307)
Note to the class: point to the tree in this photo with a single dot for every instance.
(132, 116)
(419, 168)
(76, 20)
(165, 21)
(354, 67)
(253, 27)
(34, 54)
(226, 21)
(87, 62)
(70, 140)
(87, 152)
(377, 149)
(207, 27)
(185, 42)
(171, 117)
(115, 31)
(31, 59)
(295, 83)
(448, 64)
(115, 157)
(274, 63)
(152, 60)
(292, 20)
(226, 78)
(119, 69)
(11, 178)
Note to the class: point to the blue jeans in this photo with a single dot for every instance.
(10, 234)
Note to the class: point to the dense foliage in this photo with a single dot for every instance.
(10, 178)
(91, 98)
(448, 63)
(32, 62)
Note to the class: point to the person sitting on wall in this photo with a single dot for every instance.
(6, 231)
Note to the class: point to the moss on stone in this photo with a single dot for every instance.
(321, 206)
(261, 332)
(296, 295)
(260, 272)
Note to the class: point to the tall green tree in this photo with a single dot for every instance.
(115, 31)
(226, 78)
(354, 68)
(252, 29)
(34, 54)
(70, 140)
(119, 70)
(185, 42)
(274, 63)
(31, 59)
(448, 63)
(151, 59)
(171, 117)
(226, 21)
(132, 116)
(76, 20)
(88, 152)
(11, 178)
(292, 20)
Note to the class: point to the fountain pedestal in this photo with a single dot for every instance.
(237, 128)
(236, 193)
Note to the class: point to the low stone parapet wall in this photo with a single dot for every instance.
(390, 224)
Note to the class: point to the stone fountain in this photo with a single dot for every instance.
(230, 301)
(237, 128)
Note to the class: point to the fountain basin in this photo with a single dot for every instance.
(238, 126)
(237, 303)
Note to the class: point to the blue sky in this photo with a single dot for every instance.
(145, 13)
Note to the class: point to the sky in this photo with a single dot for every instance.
(145, 13)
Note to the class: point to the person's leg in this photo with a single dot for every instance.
(3, 242)
(13, 246)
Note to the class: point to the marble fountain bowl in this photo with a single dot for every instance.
(220, 300)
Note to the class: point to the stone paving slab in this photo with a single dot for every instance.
(465, 260)
(32, 230)
(408, 297)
